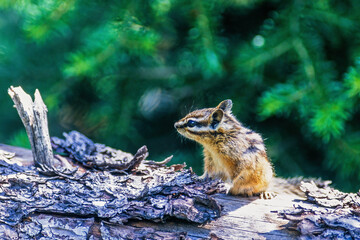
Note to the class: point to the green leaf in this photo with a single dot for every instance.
(47, 16)
(329, 119)
(352, 82)
(279, 100)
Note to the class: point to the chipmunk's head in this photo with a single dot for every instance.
(205, 124)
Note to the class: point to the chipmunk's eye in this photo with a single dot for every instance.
(192, 123)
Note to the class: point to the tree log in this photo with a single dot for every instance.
(35, 205)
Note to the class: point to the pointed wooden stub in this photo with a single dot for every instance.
(34, 117)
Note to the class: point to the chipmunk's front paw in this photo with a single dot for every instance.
(267, 195)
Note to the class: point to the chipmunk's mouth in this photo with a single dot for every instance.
(181, 131)
(180, 128)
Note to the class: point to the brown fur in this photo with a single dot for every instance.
(231, 151)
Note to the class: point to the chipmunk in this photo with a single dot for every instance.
(231, 151)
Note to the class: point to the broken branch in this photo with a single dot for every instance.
(34, 117)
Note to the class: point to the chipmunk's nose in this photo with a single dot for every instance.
(178, 125)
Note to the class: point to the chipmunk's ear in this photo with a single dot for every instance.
(216, 117)
(225, 105)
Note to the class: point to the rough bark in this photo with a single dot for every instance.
(149, 192)
(332, 214)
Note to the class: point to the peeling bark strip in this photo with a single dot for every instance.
(96, 155)
(34, 118)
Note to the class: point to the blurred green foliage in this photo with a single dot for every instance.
(122, 72)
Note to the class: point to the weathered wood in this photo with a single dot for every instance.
(34, 117)
(242, 218)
